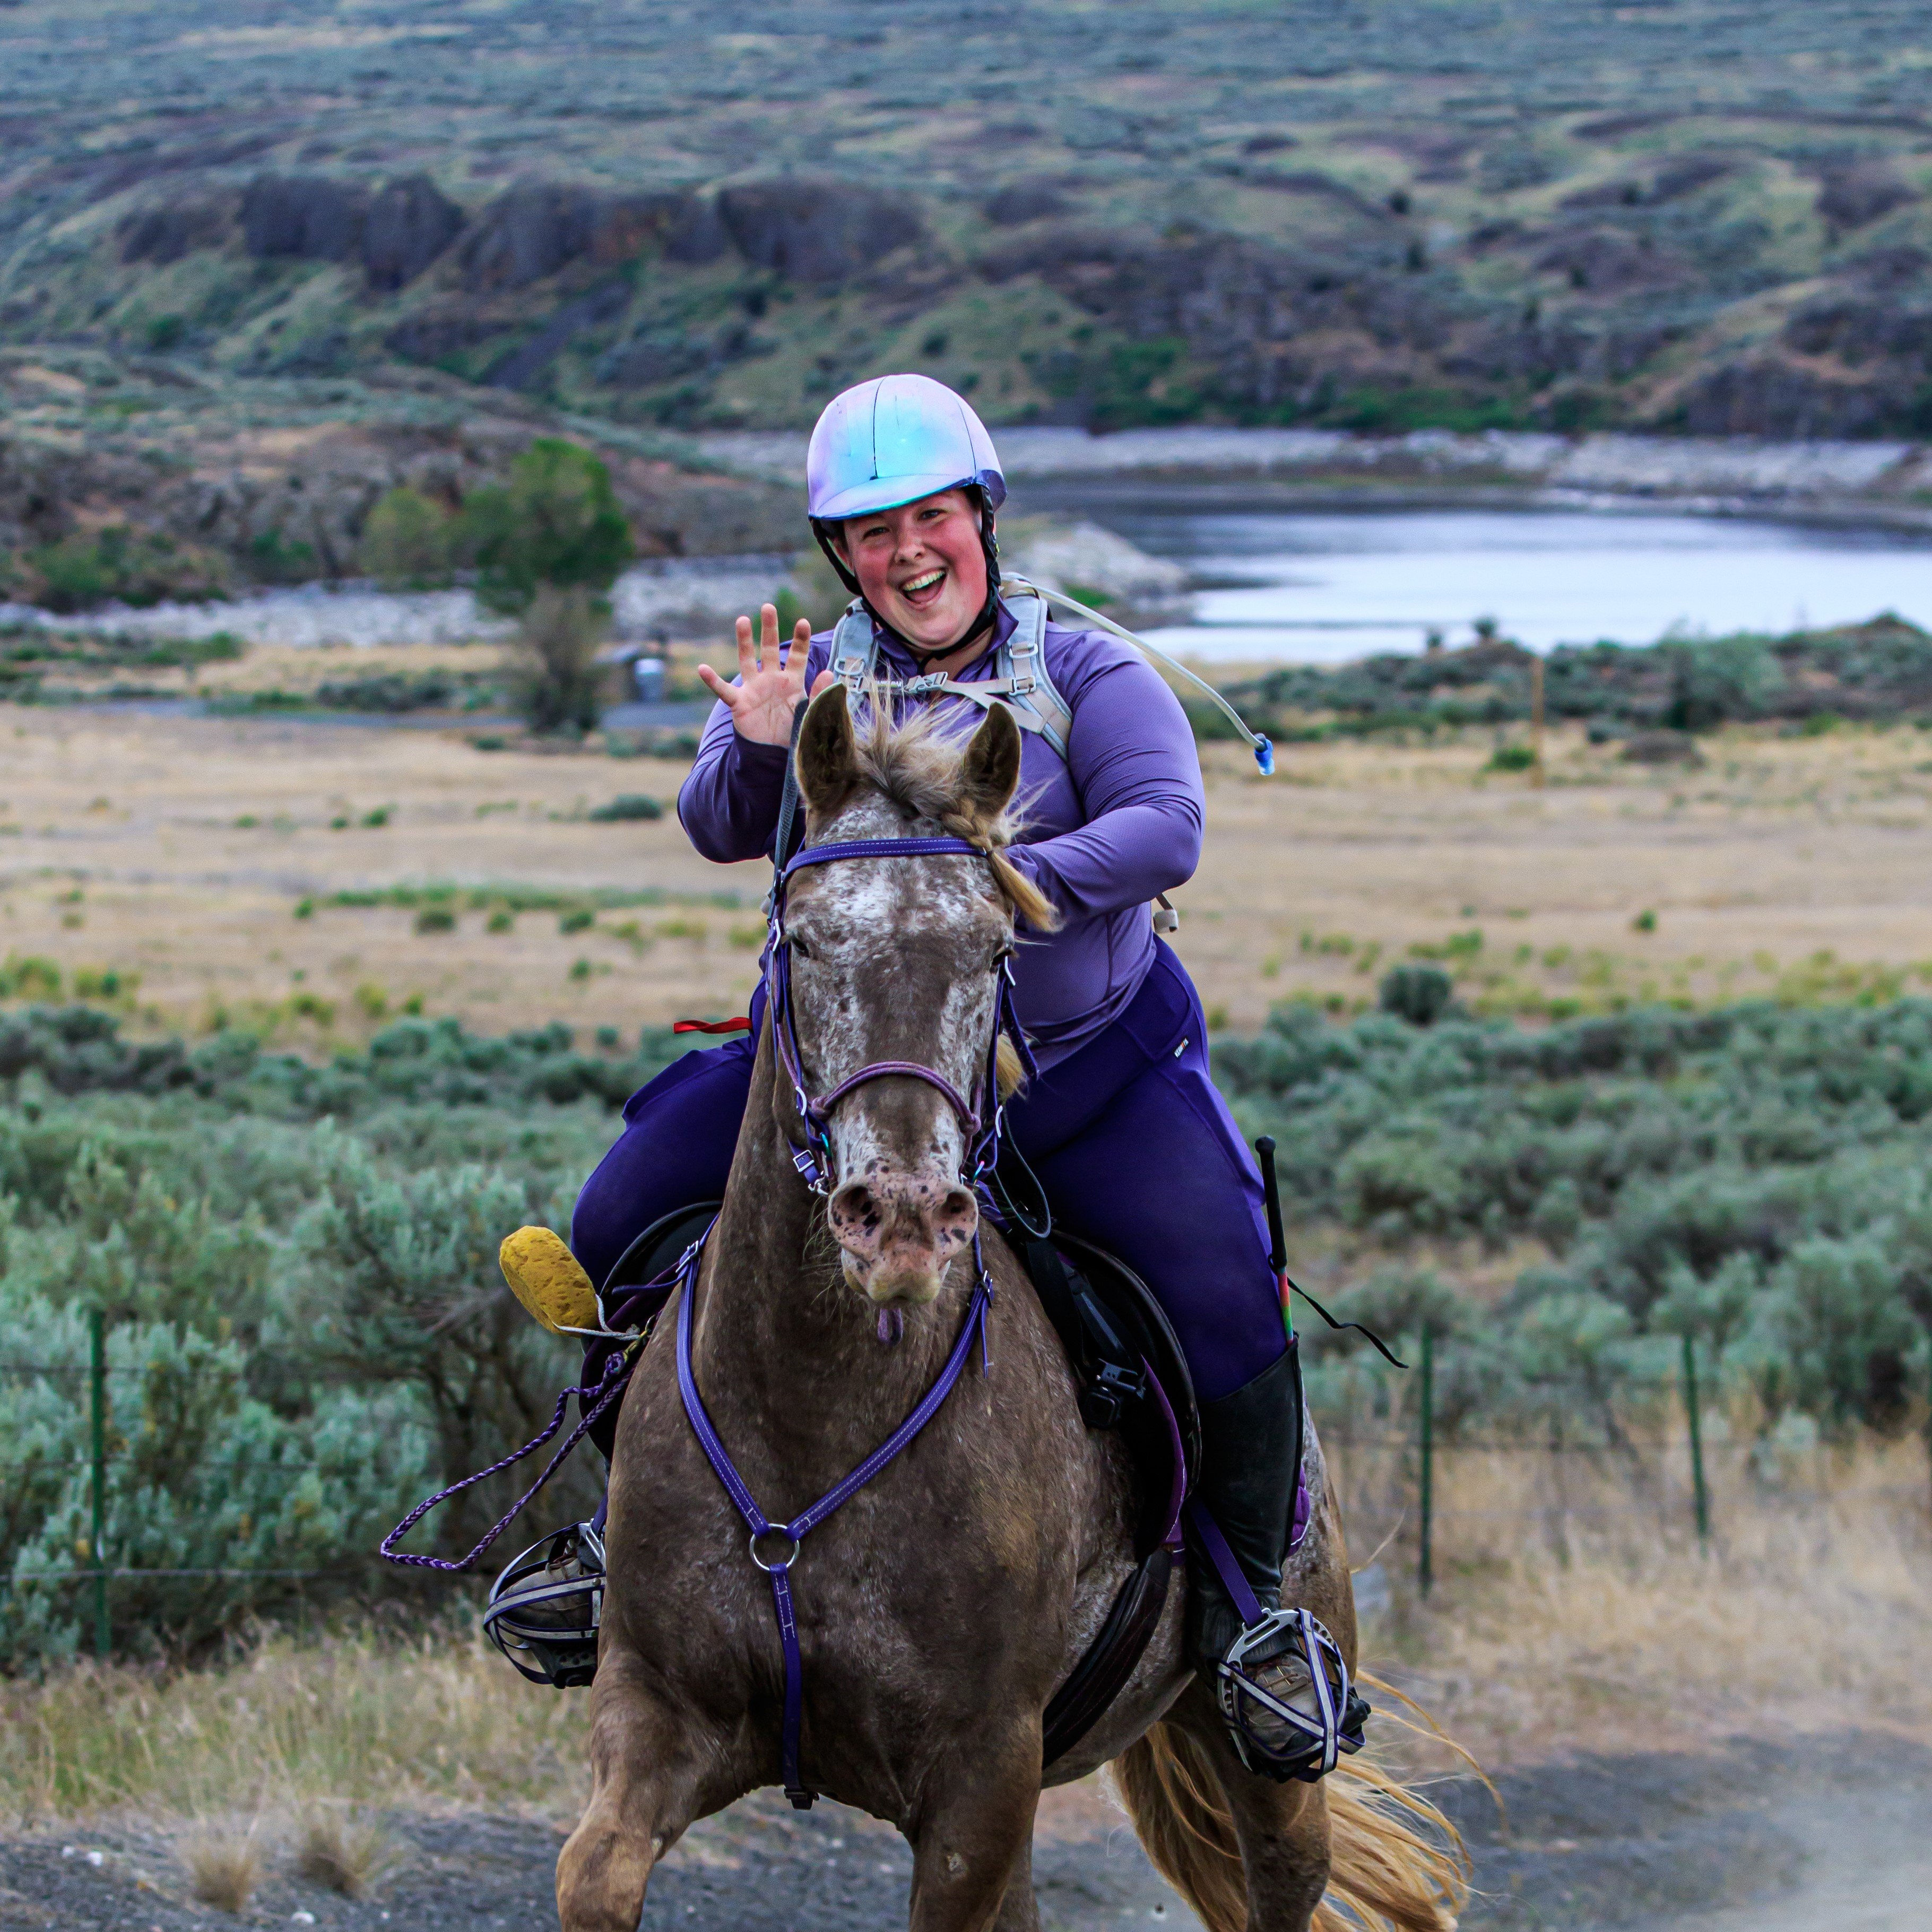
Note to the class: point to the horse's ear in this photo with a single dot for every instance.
(828, 763)
(989, 774)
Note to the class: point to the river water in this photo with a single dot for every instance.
(1322, 588)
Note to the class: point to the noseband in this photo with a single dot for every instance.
(981, 1117)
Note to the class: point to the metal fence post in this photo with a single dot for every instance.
(1699, 1492)
(1425, 1568)
(96, 1338)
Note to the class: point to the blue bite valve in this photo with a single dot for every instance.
(1265, 756)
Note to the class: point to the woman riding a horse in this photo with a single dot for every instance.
(898, 973)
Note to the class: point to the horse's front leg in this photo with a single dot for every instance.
(647, 1783)
(973, 1842)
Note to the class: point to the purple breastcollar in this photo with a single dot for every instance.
(777, 1567)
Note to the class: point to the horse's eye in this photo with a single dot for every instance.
(799, 948)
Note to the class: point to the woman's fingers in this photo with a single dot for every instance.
(819, 683)
(718, 687)
(748, 654)
(796, 652)
(768, 636)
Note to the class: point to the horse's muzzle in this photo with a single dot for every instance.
(900, 1231)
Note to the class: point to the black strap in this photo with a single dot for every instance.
(1395, 1360)
(788, 798)
(1109, 1661)
(1017, 1194)
(1056, 1296)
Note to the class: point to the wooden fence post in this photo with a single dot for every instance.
(1536, 777)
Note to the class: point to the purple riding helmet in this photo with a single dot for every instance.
(891, 441)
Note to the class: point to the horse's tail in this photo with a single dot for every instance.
(1396, 1863)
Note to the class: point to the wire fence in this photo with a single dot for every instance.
(1390, 1474)
(97, 1374)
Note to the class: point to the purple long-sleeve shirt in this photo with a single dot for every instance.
(1102, 833)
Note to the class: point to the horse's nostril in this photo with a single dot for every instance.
(855, 1203)
(958, 1206)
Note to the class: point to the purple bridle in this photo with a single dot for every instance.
(982, 1118)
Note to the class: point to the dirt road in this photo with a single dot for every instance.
(1750, 1837)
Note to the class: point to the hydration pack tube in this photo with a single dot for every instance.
(1262, 747)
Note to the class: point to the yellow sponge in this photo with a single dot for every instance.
(548, 1278)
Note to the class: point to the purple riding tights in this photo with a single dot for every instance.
(1133, 1143)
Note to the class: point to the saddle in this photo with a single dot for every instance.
(1128, 1373)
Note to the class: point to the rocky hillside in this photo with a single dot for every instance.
(1677, 214)
(180, 479)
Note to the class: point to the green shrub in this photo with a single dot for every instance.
(436, 918)
(409, 541)
(120, 564)
(626, 805)
(1420, 994)
(1513, 758)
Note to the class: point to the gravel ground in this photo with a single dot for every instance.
(1752, 1835)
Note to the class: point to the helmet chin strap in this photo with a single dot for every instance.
(989, 612)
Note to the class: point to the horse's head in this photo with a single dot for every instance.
(898, 960)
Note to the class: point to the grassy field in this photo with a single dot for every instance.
(287, 874)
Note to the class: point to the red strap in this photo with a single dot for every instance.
(742, 1023)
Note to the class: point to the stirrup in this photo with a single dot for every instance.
(1286, 1695)
(545, 1609)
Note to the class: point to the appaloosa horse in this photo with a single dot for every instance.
(938, 1609)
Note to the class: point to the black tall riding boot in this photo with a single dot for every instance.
(1250, 1448)
(1283, 1723)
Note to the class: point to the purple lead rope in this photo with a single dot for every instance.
(801, 1525)
(605, 1390)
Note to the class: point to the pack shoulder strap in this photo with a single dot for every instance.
(1020, 680)
(1022, 664)
(855, 650)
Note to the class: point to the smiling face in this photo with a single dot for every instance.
(921, 567)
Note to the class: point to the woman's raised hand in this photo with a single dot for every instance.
(771, 680)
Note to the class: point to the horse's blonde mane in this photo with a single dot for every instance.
(918, 769)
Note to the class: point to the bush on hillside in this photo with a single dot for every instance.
(121, 565)
(409, 541)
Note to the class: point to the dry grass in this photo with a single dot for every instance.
(351, 1855)
(292, 1727)
(1568, 1615)
(193, 842)
(223, 1867)
(1574, 1608)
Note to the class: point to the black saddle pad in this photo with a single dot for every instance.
(1151, 1427)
